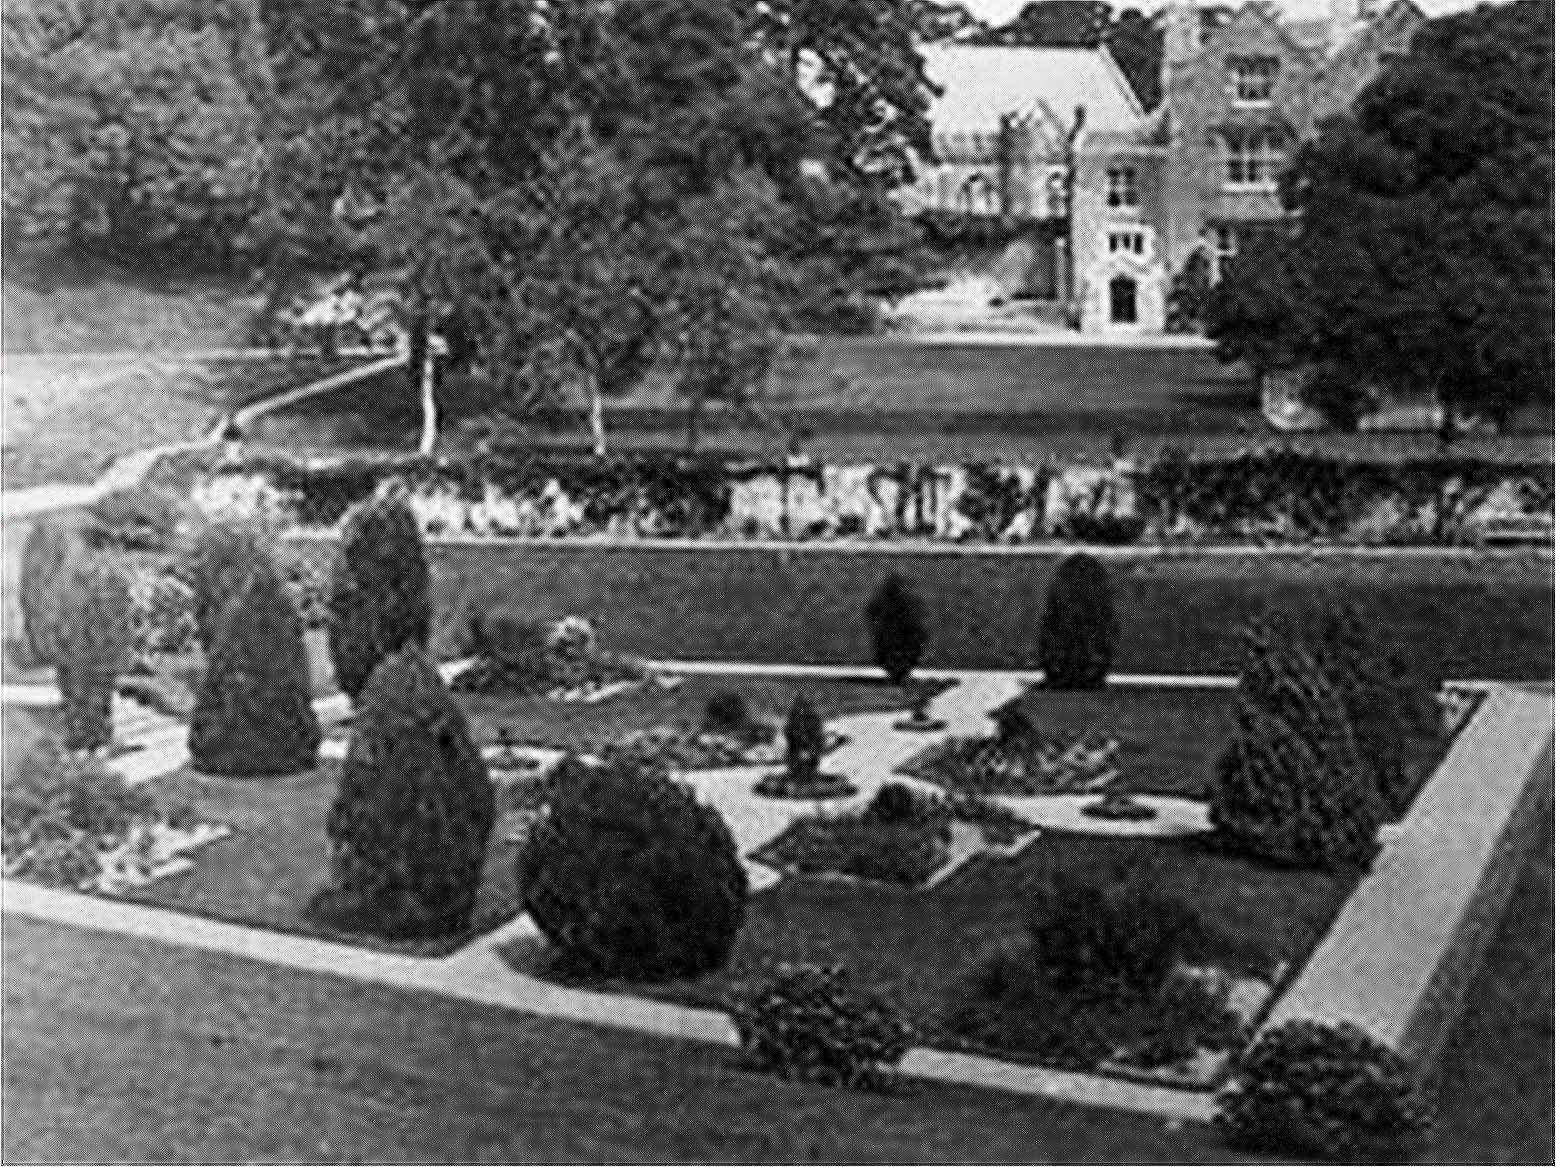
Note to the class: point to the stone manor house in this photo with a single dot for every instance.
(1117, 199)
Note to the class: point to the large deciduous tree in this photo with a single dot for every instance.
(1419, 253)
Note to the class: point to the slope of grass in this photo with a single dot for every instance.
(115, 312)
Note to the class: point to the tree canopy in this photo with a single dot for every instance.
(1418, 255)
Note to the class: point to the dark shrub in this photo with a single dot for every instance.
(1312, 1089)
(51, 792)
(897, 631)
(217, 568)
(1386, 704)
(1013, 724)
(629, 875)
(903, 851)
(253, 713)
(1185, 1016)
(897, 802)
(510, 653)
(726, 713)
(809, 1023)
(50, 545)
(1005, 1002)
(379, 601)
(1079, 628)
(92, 648)
(805, 740)
(1289, 787)
(409, 826)
(1113, 943)
(134, 518)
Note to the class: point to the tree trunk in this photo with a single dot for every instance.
(597, 416)
(429, 405)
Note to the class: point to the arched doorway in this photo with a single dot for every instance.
(1123, 294)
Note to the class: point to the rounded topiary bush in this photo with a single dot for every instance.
(898, 634)
(49, 547)
(808, 1022)
(91, 648)
(217, 568)
(253, 712)
(1289, 787)
(629, 875)
(1330, 1091)
(409, 826)
(379, 599)
(1079, 628)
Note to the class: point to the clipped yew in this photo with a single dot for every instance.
(409, 826)
(898, 635)
(1289, 787)
(49, 547)
(1079, 628)
(379, 598)
(216, 568)
(629, 875)
(91, 648)
(805, 740)
(253, 712)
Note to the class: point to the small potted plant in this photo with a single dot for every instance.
(805, 739)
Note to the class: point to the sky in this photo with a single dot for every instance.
(999, 11)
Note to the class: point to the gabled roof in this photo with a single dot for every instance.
(982, 83)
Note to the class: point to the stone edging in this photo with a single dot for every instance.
(1408, 940)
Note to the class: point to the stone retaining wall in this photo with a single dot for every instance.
(1410, 938)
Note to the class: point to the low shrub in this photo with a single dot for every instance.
(809, 1023)
(727, 713)
(1329, 1091)
(162, 617)
(898, 635)
(520, 655)
(1185, 1016)
(409, 826)
(1004, 1002)
(903, 851)
(629, 875)
(135, 518)
(896, 802)
(92, 649)
(1079, 628)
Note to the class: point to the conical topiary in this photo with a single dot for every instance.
(217, 568)
(409, 826)
(91, 647)
(1289, 787)
(1386, 702)
(379, 599)
(1079, 628)
(897, 632)
(805, 740)
(253, 713)
(629, 875)
(50, 546)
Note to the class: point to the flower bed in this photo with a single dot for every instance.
(562, 662)
(1023, 765)
(1275, 494)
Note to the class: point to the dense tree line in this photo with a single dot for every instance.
(1418, 251)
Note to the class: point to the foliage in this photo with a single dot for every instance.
(409, 826)
(726, 712)
(896, 802)
(378, 601)
(133, 130)
(1386, 704)
(217, 568)
(253, 712)
(1079, 628)
(866, 845)
(161, 616)
(1451, 143)
(1185, 1016)
(59, 810)
(808, 1022)
(1290, 787)
(1331, 1091)
(135, 518)
(92, 648)
(49, 547)
(897, 633)
(1188, 299)
(518, 654)
(805, 740)
(629, 875)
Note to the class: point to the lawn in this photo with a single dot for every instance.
(588, 728)
(1457, 616)
(278, 856)
(916, 946)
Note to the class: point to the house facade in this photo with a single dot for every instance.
(1056, 138)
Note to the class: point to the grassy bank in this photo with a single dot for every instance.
(1467, 617)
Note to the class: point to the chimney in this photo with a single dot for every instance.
(1180, 36)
